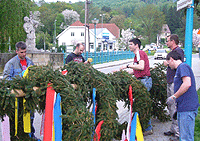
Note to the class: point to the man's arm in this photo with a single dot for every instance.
(139, 66)
(184, 87)
(8, 70)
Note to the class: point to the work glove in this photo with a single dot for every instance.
(89, 60)
(170, 100)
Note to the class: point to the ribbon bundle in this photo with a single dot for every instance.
(134, 129)
(52, 131)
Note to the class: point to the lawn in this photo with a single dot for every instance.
(197, 123)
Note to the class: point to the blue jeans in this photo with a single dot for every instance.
(148, 84)
(186, 123)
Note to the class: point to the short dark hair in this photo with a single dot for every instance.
(20, 45)
(78, 45)
(174, 54)
(175, 38)
(136, 41)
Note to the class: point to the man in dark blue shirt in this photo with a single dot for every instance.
(185, 95)
(76, 55)
(172, 43)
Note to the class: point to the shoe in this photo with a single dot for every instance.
(149, 132)
(169, 133)
(174, 138)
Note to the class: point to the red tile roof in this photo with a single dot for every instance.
(110, 26)
(77, 23)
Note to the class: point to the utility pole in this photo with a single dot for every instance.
(87, 33)
(55, 36)
(86, 1)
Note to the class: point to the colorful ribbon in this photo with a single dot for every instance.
(16, 115)
(136, 129)
(97, 131)
(26, 115)
(5, 128)
(48, 122)
(57, 118)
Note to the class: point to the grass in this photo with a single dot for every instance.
(197, 123)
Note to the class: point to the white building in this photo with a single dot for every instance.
(106, 37)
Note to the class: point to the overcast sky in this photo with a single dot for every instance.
(73, 1)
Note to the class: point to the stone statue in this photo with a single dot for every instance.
(29, 26)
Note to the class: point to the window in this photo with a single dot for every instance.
(72, 33)
(63, 44)
(82, 33)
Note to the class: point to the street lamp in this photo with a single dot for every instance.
(101, 15)
(95, 21)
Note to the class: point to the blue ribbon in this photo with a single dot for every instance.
(57, 118)
(133, 127)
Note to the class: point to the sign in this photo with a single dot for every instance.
(183, 3)
(105, 36)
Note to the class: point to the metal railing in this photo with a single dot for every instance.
(103, 57)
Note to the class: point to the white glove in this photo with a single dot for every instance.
(170, 100)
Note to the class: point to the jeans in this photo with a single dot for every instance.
(148, 84)
(186, 123)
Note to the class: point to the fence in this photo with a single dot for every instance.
(103, 57)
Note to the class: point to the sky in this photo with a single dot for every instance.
(73, 1)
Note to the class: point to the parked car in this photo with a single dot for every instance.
(160, 54)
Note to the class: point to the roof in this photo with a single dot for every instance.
(110, 26)
(77, 23)
(165, 29)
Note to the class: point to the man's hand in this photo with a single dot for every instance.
(89, 60)
(123, 67)
(165, 63)
(170, 100)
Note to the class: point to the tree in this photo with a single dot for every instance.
(118, 20)
(12, 15)
(70, 16)
(196, 38)
(150, 20)
(126, 36)
(106, 9)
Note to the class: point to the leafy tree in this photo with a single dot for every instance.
(118, 20)
(12, 15)
(70, 16)
(150, 20)
(106, 9)
(196, 38)
(126, 36)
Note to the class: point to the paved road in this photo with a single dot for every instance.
(158, 127)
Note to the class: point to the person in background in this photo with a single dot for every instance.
(141, 70)
(76, 55)
(14, 67)
(172, 43)
(185, 95)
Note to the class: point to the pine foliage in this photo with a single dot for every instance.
(76, 102)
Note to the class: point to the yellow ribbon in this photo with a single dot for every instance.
(139, 133)
(26, 116)
(16, 115)
(53, 136)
